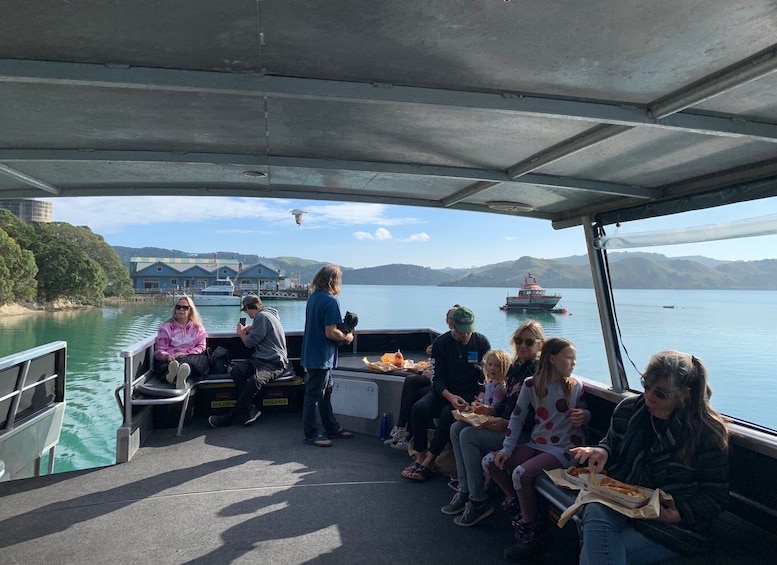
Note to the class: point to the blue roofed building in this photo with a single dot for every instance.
(163, 275)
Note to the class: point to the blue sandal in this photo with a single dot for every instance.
(319, 441)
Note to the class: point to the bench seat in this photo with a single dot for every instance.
(155, 391)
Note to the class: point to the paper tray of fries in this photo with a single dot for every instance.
(417, 367)
(630, 496)
(471, 418)
(632, 506)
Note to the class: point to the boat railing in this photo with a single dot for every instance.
(32, 407)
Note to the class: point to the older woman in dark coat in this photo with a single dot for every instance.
(668, 438)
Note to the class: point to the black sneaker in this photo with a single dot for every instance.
(253, 415)
(219, 421)
(474, 513)
(456, 505)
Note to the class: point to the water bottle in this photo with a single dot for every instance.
(384, 426)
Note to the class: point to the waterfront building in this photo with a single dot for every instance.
(156, 275)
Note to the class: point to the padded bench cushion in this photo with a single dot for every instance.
(160, 388)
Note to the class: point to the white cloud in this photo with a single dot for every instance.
(418, 238)
(382, 234)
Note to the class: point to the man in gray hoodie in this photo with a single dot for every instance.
(268, 361)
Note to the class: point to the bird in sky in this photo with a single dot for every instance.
(298, 215)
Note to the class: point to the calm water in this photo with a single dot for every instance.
(732, 331)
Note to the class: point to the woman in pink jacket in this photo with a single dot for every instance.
(180, 345)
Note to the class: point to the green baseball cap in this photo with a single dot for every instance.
(464, 320)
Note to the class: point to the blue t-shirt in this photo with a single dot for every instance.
(318, 351)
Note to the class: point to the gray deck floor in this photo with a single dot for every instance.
(240, 495)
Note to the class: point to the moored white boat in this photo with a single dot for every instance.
(222, 293)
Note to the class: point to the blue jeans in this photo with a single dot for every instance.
(469, 446)
(608, 538)
(318, 392)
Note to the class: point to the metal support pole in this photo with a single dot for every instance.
(606, 310)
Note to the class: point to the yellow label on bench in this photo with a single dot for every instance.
(223, 404)
(275, 402)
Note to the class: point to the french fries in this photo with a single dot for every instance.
(622, 488)
(576, 471)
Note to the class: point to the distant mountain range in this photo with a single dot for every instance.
(628, 270)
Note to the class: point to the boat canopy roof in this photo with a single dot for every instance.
(558, 110)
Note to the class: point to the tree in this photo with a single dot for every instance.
(65, 270)
(16, 228)
(17, 270)
(118, 282)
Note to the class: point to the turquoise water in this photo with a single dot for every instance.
(732, 331)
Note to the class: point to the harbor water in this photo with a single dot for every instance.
(733, 332)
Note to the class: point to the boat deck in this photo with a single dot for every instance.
(243, 495)
(240, 495)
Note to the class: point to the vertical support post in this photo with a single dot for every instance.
(606, 310)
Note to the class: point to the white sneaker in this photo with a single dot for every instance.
(392, 437)
(400, 444)
(172, 371)
(396, 434)
(182, 374)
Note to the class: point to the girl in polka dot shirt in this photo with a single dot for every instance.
(560, 415)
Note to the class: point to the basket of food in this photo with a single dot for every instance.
(417, 367)
(470, 417)
(379, 366)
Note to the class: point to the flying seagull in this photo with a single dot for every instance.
(298, 215)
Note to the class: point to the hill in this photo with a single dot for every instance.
(628, 270)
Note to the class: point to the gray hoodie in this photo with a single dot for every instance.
(268, 338)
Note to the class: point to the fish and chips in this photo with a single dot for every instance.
(622, 488)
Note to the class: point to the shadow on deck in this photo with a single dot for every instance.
(243, 494)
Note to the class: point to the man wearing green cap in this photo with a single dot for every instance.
(456, 374)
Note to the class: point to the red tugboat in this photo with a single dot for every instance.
(532, 298)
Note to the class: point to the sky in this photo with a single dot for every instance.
(359, 235)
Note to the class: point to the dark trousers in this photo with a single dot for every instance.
(414, 389)
(318, 393)
(199, 364)
(431, 406)
(249, 377)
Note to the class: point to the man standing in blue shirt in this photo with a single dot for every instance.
(319, 356)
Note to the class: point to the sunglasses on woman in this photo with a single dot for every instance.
(657, 392)
(528, 342)
(181, 307)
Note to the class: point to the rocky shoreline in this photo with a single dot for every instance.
(20, 309)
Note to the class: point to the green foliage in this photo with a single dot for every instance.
(65, 271)
(17, 269)
(17, 229)
(118, 282)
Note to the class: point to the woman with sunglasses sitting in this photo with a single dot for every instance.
(668, 438)
(470, 444)
(180, 345)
